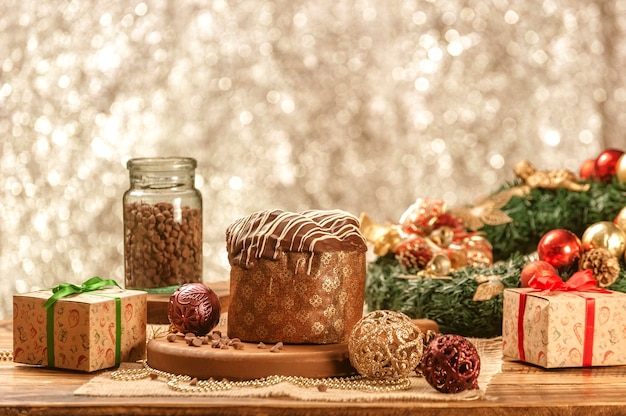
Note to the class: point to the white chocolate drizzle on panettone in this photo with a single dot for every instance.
(267, 234)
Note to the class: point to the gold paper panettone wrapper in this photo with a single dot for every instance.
(298, 299)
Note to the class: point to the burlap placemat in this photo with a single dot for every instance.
(490, 351)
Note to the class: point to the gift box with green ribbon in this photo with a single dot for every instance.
(85, 327)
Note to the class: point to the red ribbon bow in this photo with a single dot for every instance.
(581, 281)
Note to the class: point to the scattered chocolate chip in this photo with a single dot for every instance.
(215, 340)
(153, 376)
(277, 347)
(193, 382)
(322, 387)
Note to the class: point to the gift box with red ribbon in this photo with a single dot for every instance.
(564, 324)
(89, 327)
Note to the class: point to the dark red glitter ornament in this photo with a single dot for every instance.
(451, 364)
(194, 308)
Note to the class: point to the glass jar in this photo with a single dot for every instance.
(162, 225)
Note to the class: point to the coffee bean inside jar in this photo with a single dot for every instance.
(164, 246)
(162, 224)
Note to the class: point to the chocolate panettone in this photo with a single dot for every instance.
(295, 277)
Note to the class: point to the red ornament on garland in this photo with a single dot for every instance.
(588, 169)
(606, 164)
(559, 248)
(536, 268)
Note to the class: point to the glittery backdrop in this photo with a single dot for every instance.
(358, 105)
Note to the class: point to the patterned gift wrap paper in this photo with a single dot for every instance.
(564, 329)
(299, 298)
(84, 329)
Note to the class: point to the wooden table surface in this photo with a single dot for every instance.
(518, 390)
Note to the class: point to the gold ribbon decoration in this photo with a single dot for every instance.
(384, 238)
(548, 179)
(486, 211)
(488, 287)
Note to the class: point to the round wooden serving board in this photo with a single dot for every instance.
(251, 362)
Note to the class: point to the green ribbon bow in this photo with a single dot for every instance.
(66, 289)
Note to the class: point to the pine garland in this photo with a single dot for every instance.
(543, 210)
(449, 302)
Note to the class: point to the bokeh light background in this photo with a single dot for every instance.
(351, 104)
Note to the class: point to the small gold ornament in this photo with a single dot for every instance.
(620, 219)
(605, 234)
(438, 266)
(385, 345)
(603, 264)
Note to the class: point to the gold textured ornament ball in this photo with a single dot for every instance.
(605, 234)
(385, 345)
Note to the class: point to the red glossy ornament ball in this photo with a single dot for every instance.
(559, 248)
(537, 267)
(587, 169)
(606, 164)
(194, 308)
